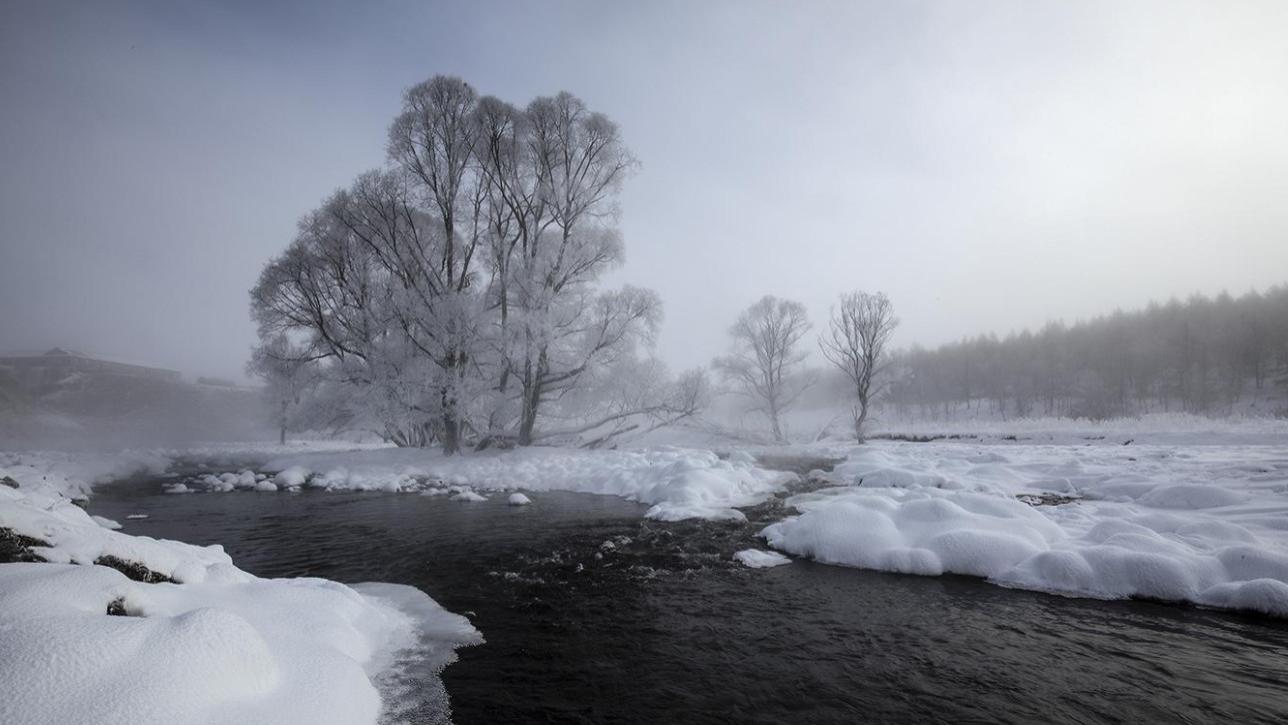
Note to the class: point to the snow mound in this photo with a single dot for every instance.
(917, 532)
(518, 499)
(1186, 556)
(758, 559)
(292, 476)
(213, 645)
(468, 496)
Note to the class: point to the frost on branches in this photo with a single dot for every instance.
(450, 296)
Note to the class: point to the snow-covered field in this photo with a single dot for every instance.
(1163, 428)
(1175, 521)
(204, 643)
(1174, 509)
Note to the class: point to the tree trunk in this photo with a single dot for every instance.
(451, 435)
(528, 418)
(532, 398)
(860, 417)
(527, 422)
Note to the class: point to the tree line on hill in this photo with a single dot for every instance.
(1205, 355)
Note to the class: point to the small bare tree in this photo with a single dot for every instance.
(290, 372)
(765, 355)
(858, 333)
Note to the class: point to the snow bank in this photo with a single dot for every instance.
(678, 483)
(917, 532)
(213, 644)
(74, 474)
(1175, 523)
(518, 499)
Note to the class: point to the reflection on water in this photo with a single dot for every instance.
(593, 614)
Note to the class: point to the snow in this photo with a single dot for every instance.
(759, 559)
(74, 474)
(213, 645)
(1156, 428)
(1174, 521)
(292, 476)
(518, 499)
(678, 483)
(467, 496)
(105, 522)
(241, 650)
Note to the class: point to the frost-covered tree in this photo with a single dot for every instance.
(433, 141)
(858, 333)
(630, 397)
(457, 287)
(290, 373)
(564, 327)
(766, 356)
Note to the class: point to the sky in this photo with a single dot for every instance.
(988, 165)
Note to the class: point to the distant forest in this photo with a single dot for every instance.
(1208, 355)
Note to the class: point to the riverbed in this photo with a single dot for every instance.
(593, 614)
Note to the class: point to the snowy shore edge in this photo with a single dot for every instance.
(1205, 525)
(100, 626)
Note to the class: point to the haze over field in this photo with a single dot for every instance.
(988, 168)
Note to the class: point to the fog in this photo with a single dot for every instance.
(989, 166)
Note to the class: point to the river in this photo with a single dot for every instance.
(593, 614)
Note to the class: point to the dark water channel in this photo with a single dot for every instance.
(658, 625)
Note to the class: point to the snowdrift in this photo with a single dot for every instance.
(1172, 523)
(204, 643)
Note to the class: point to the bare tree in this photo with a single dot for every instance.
(290, 372)
(856, 340)
(765, 356)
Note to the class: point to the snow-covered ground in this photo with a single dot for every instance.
(1163, 428)
(679, 483)
(204, 643)
(1173, 519)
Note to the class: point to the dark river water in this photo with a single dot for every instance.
(658, 625)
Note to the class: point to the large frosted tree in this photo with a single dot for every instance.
(457, 286)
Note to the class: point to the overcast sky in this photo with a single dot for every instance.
(989, 165)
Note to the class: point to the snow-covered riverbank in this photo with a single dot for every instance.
(678, 483)
(114, 628)
(1182, 514)
(1206, 524)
